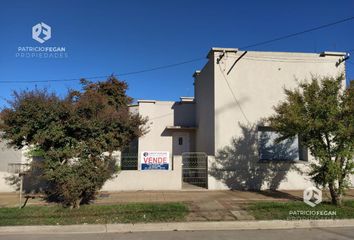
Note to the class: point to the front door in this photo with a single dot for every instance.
(181, 143)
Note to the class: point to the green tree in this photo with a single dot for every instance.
(321, 113)
(75, 136)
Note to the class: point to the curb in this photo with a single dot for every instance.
(177, 226)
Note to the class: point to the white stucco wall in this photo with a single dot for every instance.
(257, 81)
(160, 114)
(259, 177)
(8, 156)
(4, 185)
(184, 114)
(148, 179)
(205, 109)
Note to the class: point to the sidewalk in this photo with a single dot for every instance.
(204, 205)
(11, 199)
(208, 205)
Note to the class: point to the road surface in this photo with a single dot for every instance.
(289, 234)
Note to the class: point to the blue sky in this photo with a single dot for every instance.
(104, 37)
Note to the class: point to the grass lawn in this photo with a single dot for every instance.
(94, 214)
(296, 210)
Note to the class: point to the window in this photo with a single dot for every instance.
(129, 161)
(129, 157)
(286, 150)
(180, 141)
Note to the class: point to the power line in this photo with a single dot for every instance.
(162, 67)
(55, 80)
(299, 33)
(255, 58)
(105, 76)
(188, 61)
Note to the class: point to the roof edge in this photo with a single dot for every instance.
(327, 53)
(217, 49)
(146, 101)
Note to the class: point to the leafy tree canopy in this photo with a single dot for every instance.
(75, 135)
(321, 112)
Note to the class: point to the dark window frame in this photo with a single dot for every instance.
(302, 150)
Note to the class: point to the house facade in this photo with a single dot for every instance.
(218, 139)
(234, 92)
(243, 87)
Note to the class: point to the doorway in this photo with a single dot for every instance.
(195, 169)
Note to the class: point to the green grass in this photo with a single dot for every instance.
(286, 210)
(94, 214)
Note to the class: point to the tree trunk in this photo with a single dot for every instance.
(335, 196)
(77, 203)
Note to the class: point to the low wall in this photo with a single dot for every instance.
(220, 179)
(133, 180)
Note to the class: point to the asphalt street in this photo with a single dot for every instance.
(288, 234)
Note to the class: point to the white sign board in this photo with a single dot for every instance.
(155, 160)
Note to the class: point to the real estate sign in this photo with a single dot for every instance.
(155, 160)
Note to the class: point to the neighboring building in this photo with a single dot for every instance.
(220, 132)
(11, 161)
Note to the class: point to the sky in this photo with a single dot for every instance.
(103, 37)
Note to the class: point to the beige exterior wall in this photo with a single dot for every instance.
(160, 114)
(184, 114)
(204, 88)
(164, 114)
(148, 179)
(257, 81)
(4, 185)
(8, 156)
